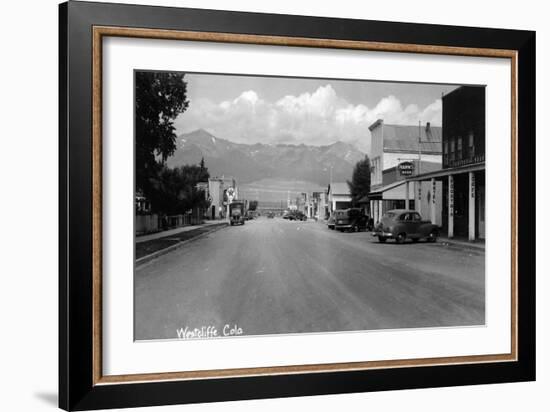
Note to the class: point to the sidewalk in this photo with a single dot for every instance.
(172, 232)
(157, 244)
(478, 245)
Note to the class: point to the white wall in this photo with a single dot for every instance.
(29, 182)
(376, 155)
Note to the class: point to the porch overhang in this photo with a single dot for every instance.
(440, 174)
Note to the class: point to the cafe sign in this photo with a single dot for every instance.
(406, 168)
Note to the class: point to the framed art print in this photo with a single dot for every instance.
(257, 205)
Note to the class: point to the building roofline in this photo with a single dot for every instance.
(376, 124)
(389, 186)
(415, 152)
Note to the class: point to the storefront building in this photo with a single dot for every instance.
(398, 152)
(217, 194)
(399, 193)
(463, 173)
(339, 196)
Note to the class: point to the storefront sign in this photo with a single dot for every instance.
(406, 168)
(451, 195)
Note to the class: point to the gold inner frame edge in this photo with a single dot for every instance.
(98, 32)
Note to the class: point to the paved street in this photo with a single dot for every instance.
(277, 276)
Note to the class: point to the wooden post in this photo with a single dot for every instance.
(407, 195)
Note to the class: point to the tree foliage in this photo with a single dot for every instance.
(252, 205)
(174, 191)
(160, 98)
(359, 185)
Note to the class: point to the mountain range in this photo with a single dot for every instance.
(252, 162)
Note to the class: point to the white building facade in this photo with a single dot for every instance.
(395, 145)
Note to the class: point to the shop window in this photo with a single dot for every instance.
(452, 150)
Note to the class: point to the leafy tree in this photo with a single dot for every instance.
(253, 205)
(160, 98)
(360, 181)
(174, 191)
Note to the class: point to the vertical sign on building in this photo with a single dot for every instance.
(451, 206)
(472, 207)
(419, 203)
(432, 203)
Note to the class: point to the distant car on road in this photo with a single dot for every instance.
(295, 215)
(402, 224)
(270, 215)
(353, 219)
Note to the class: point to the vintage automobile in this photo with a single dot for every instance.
(402, 224)
(237, 213)
(353, 219)
(295, 215)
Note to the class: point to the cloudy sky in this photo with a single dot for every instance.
(252, 109)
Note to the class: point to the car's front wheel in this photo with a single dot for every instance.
(400, 238)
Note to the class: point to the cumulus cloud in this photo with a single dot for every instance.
(317, 118)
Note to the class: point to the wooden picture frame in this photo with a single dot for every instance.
(82, 385)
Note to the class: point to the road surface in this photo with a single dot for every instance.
(274, 276)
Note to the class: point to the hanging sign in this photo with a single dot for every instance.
(405, 168)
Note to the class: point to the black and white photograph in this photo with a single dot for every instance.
(269, 205)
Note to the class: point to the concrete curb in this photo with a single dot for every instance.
(144, 259)
(461, 246)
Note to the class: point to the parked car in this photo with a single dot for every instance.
(402, 224)
(297, 215)
(353, 219)
(330, 221)
(270, 215)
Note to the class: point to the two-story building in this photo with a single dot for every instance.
(392, 148)
(463, 172)
(217, 195)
